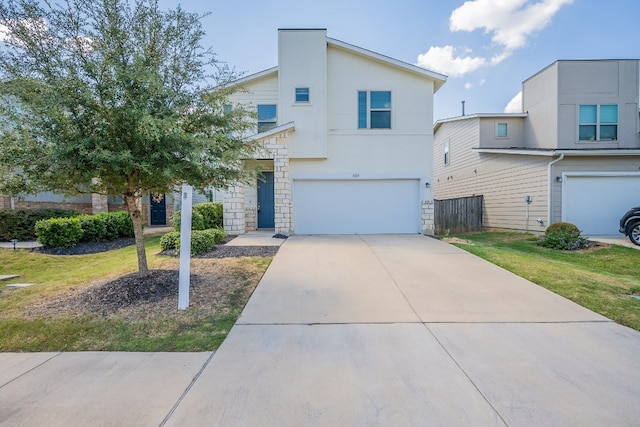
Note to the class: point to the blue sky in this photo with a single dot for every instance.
(486, 47)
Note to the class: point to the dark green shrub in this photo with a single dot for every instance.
(119, 224)
(212, 214)
(94, 228)
(197, 220)
(563, 227)
(201, 240)
(170, 241)
(59, 232)
(20, 224)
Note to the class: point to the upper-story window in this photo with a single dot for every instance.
(502, 130)
(374, 110)
(302, 95)
(598, 122)
(267, 117)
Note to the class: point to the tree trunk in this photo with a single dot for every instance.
(134, 206)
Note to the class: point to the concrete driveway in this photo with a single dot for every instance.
(407, 330)
(358, 330)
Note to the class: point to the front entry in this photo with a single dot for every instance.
(266, 211)
(158, 209)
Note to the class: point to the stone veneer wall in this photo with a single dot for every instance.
(236, 218)
(428, 217)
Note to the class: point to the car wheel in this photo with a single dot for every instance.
(633, 231)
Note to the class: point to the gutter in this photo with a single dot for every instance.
(550, 188)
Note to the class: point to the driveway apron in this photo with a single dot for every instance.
(408, 330)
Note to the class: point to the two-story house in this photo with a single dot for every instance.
(572, 155)
(346, 142)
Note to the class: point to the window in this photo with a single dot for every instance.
(266, 117)
(598, 122)
(446, 152)
(374, 110)
(502, 130)
(302, 94)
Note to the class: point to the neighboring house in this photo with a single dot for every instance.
(346, 142)
(573, 155)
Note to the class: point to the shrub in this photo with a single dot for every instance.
(94, 228)
(204, 216)
(20, 224)
(201, 240)
(562, 226)
(563, 236)
(118, 224)
(170, 241)
(58, 232)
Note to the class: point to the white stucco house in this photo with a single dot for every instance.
(346, 140)
(572, 155)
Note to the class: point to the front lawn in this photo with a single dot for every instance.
(74, 305)
(603, 278)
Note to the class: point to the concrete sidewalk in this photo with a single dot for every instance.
(358, 330)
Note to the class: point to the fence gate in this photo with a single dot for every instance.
(459, 215)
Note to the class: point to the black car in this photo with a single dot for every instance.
(630, 225)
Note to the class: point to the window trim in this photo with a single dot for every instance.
(598, 123)
(366, 103)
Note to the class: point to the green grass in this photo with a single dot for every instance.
(600, 279)
(57, 275)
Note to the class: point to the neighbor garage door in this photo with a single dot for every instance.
(356, 206)
(595, 203)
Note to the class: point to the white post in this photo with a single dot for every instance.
(185, 247)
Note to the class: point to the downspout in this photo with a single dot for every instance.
(550, 188)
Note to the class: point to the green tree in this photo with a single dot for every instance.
(114, 97)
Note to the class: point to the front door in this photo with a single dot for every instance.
(266, 216)
(158, 209)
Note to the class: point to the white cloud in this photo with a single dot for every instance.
(510, 23)
(515, 105)
(468, 85)
(4, 33)
(442, 60)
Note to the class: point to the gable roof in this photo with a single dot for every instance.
(438, 79)
(439, 123)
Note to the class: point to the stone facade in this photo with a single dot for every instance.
(428, 217)
(238, 218)
(99, 203)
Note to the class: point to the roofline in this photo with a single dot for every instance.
(439, 79)
(438, 123)
(290, 126)
(577, 60)
(566, 153)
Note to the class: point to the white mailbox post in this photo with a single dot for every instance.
(185, 247)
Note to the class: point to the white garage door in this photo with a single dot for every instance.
(356, 206)
(596, 203)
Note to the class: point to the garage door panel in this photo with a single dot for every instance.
(596, 203)
(356, 206)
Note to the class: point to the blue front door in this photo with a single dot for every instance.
(265, 201)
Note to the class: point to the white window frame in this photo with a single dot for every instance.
(447, 152)
(295, 95)
(506, 130)
(273, 122)
(598, 123)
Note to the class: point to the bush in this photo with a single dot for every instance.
(118, 224)
(563, 227)
(201, 240)
(204, 216)
(59, 232)
(94, 229)
(20, 224)
(563, 236)
(170, 241)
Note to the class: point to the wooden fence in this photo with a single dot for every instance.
(458, 215)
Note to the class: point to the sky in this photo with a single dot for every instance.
(487, 48)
